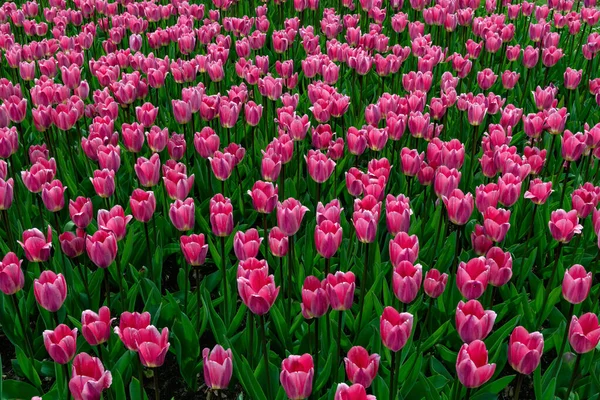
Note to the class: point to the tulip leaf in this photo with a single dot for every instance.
(244, 374)
(27, 367)
(537, 383)
(496, 386)
(434, 337)
(135, 391)
(281, 327)
(187, 348)
(12, 389)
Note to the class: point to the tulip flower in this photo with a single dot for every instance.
(472, 321)
(81, 211)
(278, 242)
(95, 327)
(435, 283)
(328, 237)
(152, 346)
(354, 392)
(114, 221)
(61, 343)
(182, 214)
(221, 215)
(36, 245)
(102, 248)
(525, 350)
(564, 225)
(361, 367)
(496, 223)
(289, 216)
(471, 364)
(88, 378)
(129, 326)
(395, 328)
(459, 206)
(296, 376)
(576, 284)
(539, 191)
(104, 182)
(246, 244)
(258, 291)
(315, 301)
(218, 367)
(472, 277)
(584, 333)
(12, 278)
(264, 197)
(50, 290)
(406, 281)
(397, 214)
(148, 170)
(340, 290)
(500, 264)
(72, 245)
(142, 204)
(6, 193)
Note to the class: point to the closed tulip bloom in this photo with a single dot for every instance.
(472, 364)
(109, 157)
(12, 278)
(278, 242)
(36, 246)
(354, 392)
(53, 195)
(148, 170)
(218, 367)
(340, 290)
(435, 283)
(315, 301)
(221, 215)
(297, 376)
(177, 184)
(114, 221)
(6, 193)
(95, 327)
(50, 290)
(539, 191)
(71, 244)
(194, 249)
(289, 216)
(176, 146)
(584, 333)
(142, 204)
(472, 278)
(157, 138)
(572, 78)
(403, 247)
(222, 165)
(329, 212)
(152, 346)
(102, 248)
(500, 264)
(509, 187)
(395, 328)
(584, 200)
(258, 291)
(510, 79)
(459, 206)
(182, 214)
(361, 367)
(481, 244)
(146, 114)
(181, 111)
(445, 181)
(88, 378)
(320, 167)
(61, 343)
(576, 284)
(564, 225)
(104, 182)
(264, 196)
(525, 350)
(328, 237)
(573, 145)
(246, 244)
(496, 223)
(81, 211)
(406, 281)
(129, 326)
(206, 142)
(472, 321)
(133, 137)
(411, 161)
(486, 196)
(397, 214)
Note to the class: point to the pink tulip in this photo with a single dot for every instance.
(459, 206)
(472, 277)
(246, 244)
(50, 290)
(142, 204)
(95, 328)
(264, 196)
(481, 244)
(146, 114)
(576, 284)
(71, 244)
(221, 215)
(472, 364)
(61, 343)
(361, 367)
(525, 350)
(500, 264)
(6, 193)
(81, 211)
(297, 376)
(395, 328)
(258, 291)
(53, 195)
(148, 170)
(472, 321)
(289, 216)
(435, 283)
(354, 392)
(406, 281)
(564, 225)
(129, 326)
(320, 167)
(584, 333)
(152, 346)
(218, 367)
(315, 301)
(12, 278)
(403, 247)
(328, 238)
(104, 182)
(36, 245)
(539, 191)
(496, 223)
(340, 290)
(278, 242)
(102, 248)
(182, 214)
(88, 378)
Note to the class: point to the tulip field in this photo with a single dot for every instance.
(299, 199)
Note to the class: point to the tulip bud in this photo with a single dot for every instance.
(525, 350)
(218, 367)
(395, 328)
(50, 290)
(361, 367)
(61, 343)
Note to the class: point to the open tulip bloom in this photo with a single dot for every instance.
(369, 199)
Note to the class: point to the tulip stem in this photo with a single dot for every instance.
(106, 288)
(574, 377)
(518, 387)
(120, 282)
(148, 253)
(393, 367)
(339, 345)
(141, 378)
(265, 235)
(22, 323)
(289, 277)
(564, 188)
(363, 290)
(198, 301)
(250, 328)
(468, 395)
(564, 341)
(224, 280)
(66, 368)
(316, 348)
(557, 254)
(262, 324)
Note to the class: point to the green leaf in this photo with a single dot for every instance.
(433, 339)
(135, 391)
(496, 386)
(18, 390)
(187, 349)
